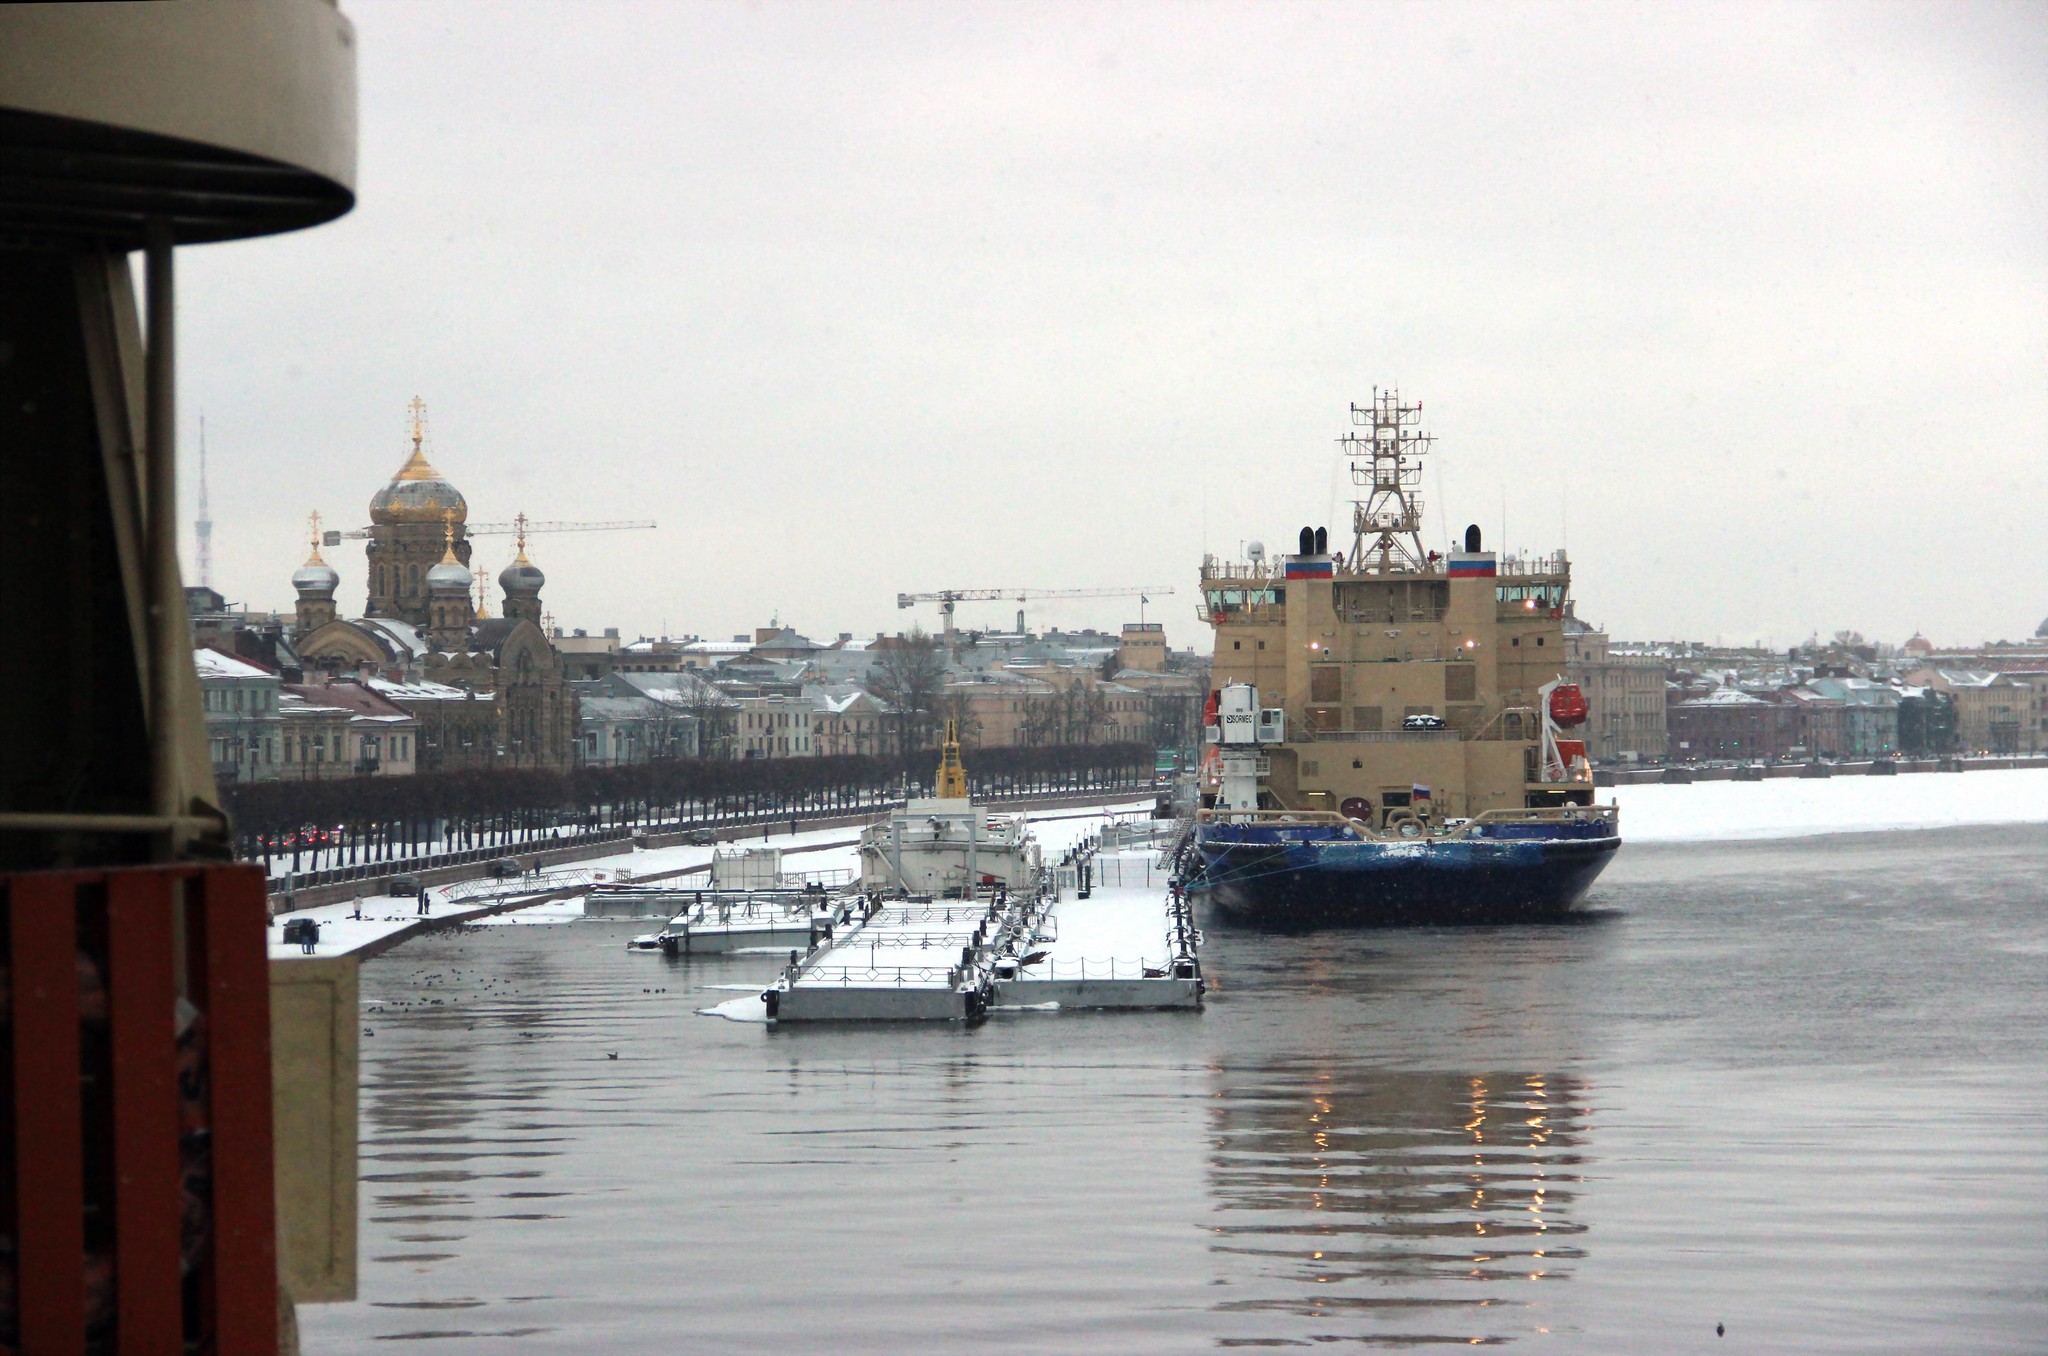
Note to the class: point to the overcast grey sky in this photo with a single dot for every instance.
(1747, 305)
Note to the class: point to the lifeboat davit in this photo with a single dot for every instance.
(1567, 705)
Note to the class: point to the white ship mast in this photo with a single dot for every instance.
(1388, 462)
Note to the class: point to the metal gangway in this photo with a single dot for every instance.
(486, 888)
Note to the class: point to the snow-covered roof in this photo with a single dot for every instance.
(614, 707)
(838, 704)
(423, 691)
(674, 688)
(404, 635)
(363, 703)
(212, 664)
(1725, 696)
(291, 704)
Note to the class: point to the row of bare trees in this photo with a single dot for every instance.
(395, 819)
(910, 678)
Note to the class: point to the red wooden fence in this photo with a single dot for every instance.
(137, 1187)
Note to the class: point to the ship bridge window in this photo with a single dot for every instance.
(1381, 601)
(1530, 597)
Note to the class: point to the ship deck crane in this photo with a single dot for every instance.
(948, 598)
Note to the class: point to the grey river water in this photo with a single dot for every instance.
(1798, 1089)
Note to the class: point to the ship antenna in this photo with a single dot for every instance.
(1386, 463)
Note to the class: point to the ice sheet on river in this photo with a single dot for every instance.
(1798, 807)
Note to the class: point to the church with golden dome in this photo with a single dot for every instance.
(487, 691)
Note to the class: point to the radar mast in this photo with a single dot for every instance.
(1387, 462)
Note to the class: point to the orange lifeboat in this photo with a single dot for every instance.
(1567, 705)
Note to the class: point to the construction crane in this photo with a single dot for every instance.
(946, 598)
(521, 525)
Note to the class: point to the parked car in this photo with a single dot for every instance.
(700, 837)
(505, 866)
(1422, 723)
(404, 887)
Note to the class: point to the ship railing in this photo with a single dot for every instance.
(1215, 567)
(1474, 827)
(1553, 564)
(1539, 814)
(1242, 612)
(1445, 736)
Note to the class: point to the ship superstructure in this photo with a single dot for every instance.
(1404, 694)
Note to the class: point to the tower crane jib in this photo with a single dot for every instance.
(947, 599)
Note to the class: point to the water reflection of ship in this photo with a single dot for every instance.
(1395, 1197)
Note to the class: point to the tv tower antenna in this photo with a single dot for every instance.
(202, 527)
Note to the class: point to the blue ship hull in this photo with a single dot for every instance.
(1284, 876)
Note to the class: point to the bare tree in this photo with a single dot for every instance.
(1170, 718)
(716, 717)
(1084, 711)
(958, 707)
(1042, 721)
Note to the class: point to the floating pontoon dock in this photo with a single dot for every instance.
(1086, 938)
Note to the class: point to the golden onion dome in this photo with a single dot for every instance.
(418, 494)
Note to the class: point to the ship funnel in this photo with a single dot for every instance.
(1308, 541)
(1472, 538)
(1322, 540)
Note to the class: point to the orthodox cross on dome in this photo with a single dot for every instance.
(483, 584)
(313, 529)
(448, 536)
(519, 525)
(416, 466)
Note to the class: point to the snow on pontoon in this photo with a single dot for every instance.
(959, 914)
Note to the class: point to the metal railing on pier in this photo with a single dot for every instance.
(846, 976)
(1115, 967)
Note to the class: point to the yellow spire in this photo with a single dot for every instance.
(313, 528)
(952, 776)
(519, 522)
(448, 537)
(416, 466)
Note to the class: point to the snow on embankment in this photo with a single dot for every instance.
(1797, 807)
